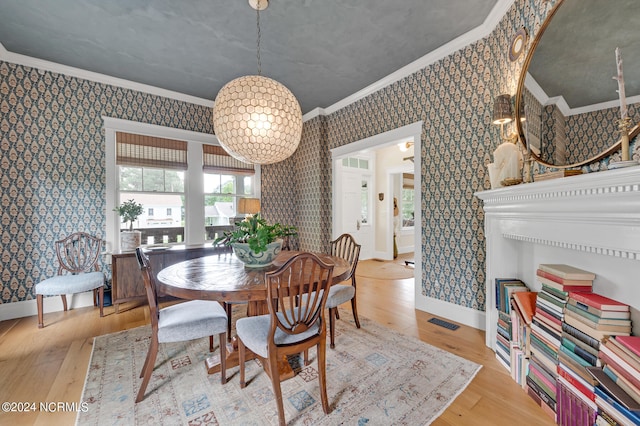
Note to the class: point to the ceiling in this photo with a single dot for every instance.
(322, 50)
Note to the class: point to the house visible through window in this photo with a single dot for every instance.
(153, 170)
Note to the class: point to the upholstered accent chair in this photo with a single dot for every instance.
(296, 297)
(78, 271)
(344, 246)
(181, 322)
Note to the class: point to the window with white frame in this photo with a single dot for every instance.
(407, 204)
(152, 171)
(226, 180)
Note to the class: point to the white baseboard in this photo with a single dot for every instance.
(49, 304)
(450, 311)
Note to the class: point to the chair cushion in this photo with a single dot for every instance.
(253, 332)
(69, 284)
(191, 320)
(339, 294)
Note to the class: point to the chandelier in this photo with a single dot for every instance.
(257, 119)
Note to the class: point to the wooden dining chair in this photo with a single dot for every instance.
(345, 247)
(78, 271)
(296, 297)
(180, 322)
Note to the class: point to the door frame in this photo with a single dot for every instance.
(381, 140)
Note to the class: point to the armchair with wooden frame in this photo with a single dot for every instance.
(78, 271)
(296, 297)
(178, 323)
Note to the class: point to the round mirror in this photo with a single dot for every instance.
(567, 86)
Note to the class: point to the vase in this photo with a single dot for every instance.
(257, 260)
(130, 240)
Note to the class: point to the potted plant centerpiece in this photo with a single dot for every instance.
(255, 242)
(129, 212)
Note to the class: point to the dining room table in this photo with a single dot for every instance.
(224, 278)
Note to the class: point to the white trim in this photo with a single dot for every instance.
(451, 311)
(392, 137)
(41, 64)
(497, 13)
(27, 308)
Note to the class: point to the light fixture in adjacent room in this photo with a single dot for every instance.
(404, 146)
(257, 119)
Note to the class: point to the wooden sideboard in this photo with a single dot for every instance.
(127, 284)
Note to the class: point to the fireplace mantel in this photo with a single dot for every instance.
(591, 221)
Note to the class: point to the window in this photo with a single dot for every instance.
(151, 171)
(169, 178)
(364, 201)
(225, 181)
(407, 203)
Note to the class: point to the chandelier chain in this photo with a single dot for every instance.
(258, 40)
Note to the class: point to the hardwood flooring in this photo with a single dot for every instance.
(49, 365)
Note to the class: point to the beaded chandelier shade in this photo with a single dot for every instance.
(256, 119)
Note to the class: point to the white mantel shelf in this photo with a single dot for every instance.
(591, 221)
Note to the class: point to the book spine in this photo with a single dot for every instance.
(619, 361)
(593, 351)
(563, 281)
(548, 385)
(546, 331)
(580, 335)
(574, 357)
(624, 384)
(591, 359)
(631, 415)
(541, 393)
(612, 364)
(627, 344)
(588, 299)
(577, 384)
(550, 312)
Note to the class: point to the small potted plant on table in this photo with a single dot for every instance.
(129, 211)
(255, 242)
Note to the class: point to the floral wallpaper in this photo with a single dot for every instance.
(53, 179)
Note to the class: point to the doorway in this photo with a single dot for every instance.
(380, 197)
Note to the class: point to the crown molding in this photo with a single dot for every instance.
(478, 33)
(41, 64)
(497, 13)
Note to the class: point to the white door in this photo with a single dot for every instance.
(355, 211)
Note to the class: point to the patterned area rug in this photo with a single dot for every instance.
(375, 376)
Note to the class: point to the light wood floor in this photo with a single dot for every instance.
(50, 364)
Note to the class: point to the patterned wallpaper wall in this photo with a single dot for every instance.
(52, 162)
(53, 179)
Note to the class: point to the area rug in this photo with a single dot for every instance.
(375, 376)
(386, 269)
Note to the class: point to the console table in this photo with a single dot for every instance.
(127, 284)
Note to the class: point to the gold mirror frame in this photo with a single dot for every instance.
(633, 132)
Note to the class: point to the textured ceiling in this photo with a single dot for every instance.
(322, 50)
(576, 55)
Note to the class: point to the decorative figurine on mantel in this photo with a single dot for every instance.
(506, 168)
(625, 122)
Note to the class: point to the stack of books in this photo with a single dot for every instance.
(523, 307)
(617, 394)
(588, 319)
(547, 328)
(505, 287)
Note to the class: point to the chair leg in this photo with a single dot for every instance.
(306, 357)
(241, 359)
(210, 343)
(148, 368)
(333, 313)
(322, 374)
(223, 358)
(39, 298)
(277, 391)
(355, 311)
(64, 301)
(101, 301)
(228, 307)
(337, 314)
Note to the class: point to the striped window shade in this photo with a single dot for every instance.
(216, 160)
(149, 151)
(407, 181)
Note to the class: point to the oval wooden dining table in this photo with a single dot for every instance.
(224, 278)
